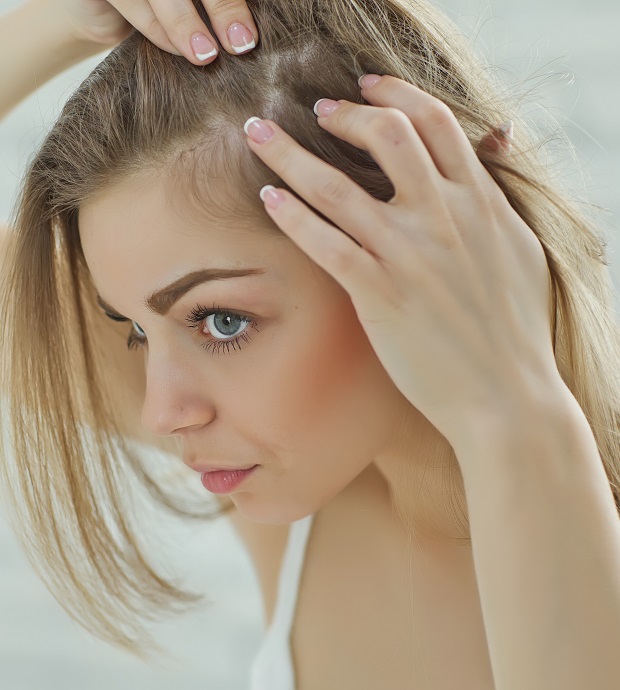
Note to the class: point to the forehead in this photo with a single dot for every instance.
(140, 225)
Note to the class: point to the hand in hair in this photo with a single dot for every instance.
(449, 282)
(173, 25)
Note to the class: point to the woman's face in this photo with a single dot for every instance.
(302, 393)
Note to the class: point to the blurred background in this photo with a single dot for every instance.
(567, 57)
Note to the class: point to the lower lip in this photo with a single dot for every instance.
(223, 482)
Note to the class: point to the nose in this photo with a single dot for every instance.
(175, 398)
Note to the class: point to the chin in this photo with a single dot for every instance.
(271, 512)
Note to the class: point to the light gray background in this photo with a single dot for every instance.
(569, 53)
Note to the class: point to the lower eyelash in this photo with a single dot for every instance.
(219, 345)
(133, 341)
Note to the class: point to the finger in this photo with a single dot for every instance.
(140, 15)
(324, 187)
(233, 23)
(388, 135)
(186, 30)
(357, 271)
(498, 141)
(435, 123)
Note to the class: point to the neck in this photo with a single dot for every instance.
(417, 484)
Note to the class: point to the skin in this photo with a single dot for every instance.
(307, 398)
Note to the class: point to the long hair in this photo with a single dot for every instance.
(64, 458)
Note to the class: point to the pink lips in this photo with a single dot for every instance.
(224, 481)
(209, 468)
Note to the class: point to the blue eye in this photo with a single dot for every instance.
(226, 323)
(227, 329)
(138, 330)
(137, 337)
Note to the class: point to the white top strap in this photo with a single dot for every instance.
(290, 576)
(273, 667)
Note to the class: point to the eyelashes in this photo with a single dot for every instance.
(199, 315)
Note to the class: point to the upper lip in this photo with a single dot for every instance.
(217, 468)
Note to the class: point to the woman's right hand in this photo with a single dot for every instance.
(172, 25)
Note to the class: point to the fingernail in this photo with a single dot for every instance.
(257, 130)
(507, 129)
(203, 48)
(368, 80)
(241, 38)
(325, 106)
(271, 196)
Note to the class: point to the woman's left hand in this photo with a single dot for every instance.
(449, 283)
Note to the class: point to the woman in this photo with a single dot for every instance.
(428, 397)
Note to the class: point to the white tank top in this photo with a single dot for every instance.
(272, 668)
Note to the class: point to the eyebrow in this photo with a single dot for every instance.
(161, 301)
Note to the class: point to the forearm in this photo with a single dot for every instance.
(546, 545)
(36, 44)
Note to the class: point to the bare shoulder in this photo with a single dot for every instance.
(266, 545)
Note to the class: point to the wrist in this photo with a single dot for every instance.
(38, 42)
(521, 413)
(54, 37)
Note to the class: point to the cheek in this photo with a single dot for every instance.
(326, 409)
(322, 380)
(327, 375)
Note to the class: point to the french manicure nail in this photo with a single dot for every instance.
(257, 130)
(241, 38)
(325, 106)
(366, 81)
(271, 196)
(203, 48)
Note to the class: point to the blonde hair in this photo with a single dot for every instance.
(65, 460)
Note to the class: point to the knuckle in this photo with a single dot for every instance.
(155, 32)
(224, 6)
(185, 21)
(281, 157)
(389, 123)
(153, 29)
(340, 258)
(437, 114)
(333, 190)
